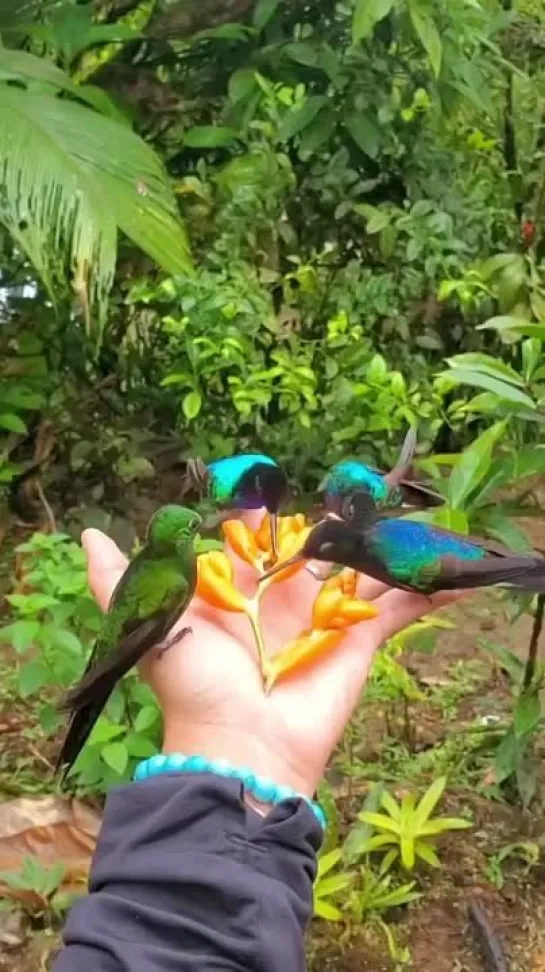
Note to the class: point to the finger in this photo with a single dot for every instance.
(400, 608)
(369, 589)
(105, 565)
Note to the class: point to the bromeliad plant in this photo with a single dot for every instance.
(406, 830)
(335, 608)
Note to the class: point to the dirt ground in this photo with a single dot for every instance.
(436, 929)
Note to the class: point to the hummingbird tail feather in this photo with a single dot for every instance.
(403, 464)
(523, 573)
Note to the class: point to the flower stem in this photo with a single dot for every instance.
(265, 664)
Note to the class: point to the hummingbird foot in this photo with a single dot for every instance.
(170, 642)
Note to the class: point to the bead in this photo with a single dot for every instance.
(285, 793)
(221, 767)
(245, 775)
(195, 764)
(175, 763)
(264, 789)
(156, 763)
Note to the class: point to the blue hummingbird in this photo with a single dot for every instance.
(415, 556)
(246, 481)
(388, 490)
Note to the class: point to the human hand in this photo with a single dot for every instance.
(209, 686)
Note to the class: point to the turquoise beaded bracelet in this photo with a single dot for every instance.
(263, 789)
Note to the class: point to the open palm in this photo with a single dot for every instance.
(209, 686)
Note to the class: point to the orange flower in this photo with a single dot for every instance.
(214, 582)
(300, 652)
(242, 542)
(335, 605)
(326, 605)
(288, 547)
(287, 525)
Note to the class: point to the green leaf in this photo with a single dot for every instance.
(365, 134)
(427, 33)
(488, 365)
(506, 756)
(67, 641)
(241, 84)
(139, 746)
(146, 718)
(407, 852)
(391, 806)
(377, 219)
(507, 324)
(527, 713)
(326, 862)
(379, 820)
(450, 519)
(327, 911)
(318, 132)
(333, 885)
(480, 379)
(32, 677)
(12, 422)
(191, 404)
(442, 824)
(473, 464)
(116, 756)
(367, 13)
(76, 177)
(104, 731)
(263, 11)
(427, 853)
(298, 118)
(428, 802)
(20, 634)
(209, 136)
(361, 832)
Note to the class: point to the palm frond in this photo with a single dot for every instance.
(71, 177)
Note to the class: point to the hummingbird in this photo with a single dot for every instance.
(387, 489)
(415, 556)
(151, 595)
(241, 482)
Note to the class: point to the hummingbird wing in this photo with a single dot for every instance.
(402, 466)
(451, 573)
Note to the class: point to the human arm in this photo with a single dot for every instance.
(158, 834)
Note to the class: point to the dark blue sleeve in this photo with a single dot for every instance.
(187, 877)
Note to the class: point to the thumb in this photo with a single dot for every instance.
(105, 565)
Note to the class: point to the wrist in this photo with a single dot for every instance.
(237, 748)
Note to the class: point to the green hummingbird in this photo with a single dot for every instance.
(246, 481)
(151, 595)
(415, 556)
(388, 490)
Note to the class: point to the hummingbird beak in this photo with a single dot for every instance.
(273, 517)
(296, 559)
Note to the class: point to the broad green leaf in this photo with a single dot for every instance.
(373, 843)
(505, 530)
(139, 746)
(367, 13)
(263, 11)
(390, 805)
(407, 852)
(241, 84)
(191, 404)
(427, 853)
(450, 519)
(506, 324)
(364, 132)
(427, 33)
(379, 820)
(377, 219)
(506, 756)
(77, 177)
(146, 718)
(527, 713)
(326, 862)
(480, 379)
(32, 677)
(104, 731)
(12, 422)
(297, 119)
(474, 464)
(67, 641)
(20, 634)
(334, 884)
(361, 832)
(488, 365)
(442, 824)
(428, 802)
(115, 756)
(318, 132)
(209, 136)
(327, 911)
